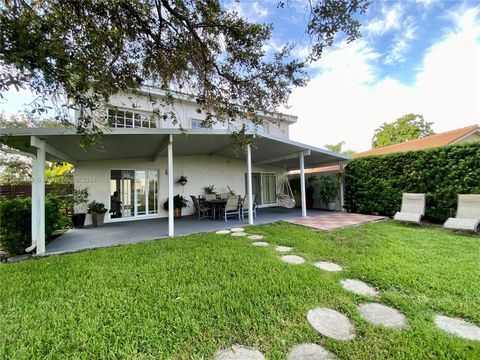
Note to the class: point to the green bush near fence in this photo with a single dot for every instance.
(374, 184)
(15, 221)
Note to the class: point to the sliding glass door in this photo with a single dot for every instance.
(264, 185)
(133, 193)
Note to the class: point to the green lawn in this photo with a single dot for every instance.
(188, 297)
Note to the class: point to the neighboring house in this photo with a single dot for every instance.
(143, 158)
(453, 137)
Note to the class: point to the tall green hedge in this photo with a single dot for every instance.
(16, 225)
(374, 184)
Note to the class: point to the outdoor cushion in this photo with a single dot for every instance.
(462, 224)
(408, 217)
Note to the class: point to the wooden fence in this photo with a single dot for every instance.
(25, 190)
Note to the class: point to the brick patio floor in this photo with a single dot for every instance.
(334, 220)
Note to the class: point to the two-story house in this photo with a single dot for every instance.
(142, 158)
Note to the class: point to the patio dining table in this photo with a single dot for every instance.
(214, 203)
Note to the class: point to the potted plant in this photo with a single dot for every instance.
(76, 202)
(179, 202)
(182, 180)
(209, 189)
(98, 210)
(328, 191)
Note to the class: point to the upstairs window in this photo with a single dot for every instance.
(196, 124)
(251, 127)
(129, 119)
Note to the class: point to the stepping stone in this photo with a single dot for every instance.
(310, 352)
(293, 259)
(328, 266)
(260, 243)
(331, 323)
(283, 248)
(255, 237)
(458, 327)
(358, 287)
(239, 234)
(237, 230)
(222, 232)
(379, 314)
(239, 352)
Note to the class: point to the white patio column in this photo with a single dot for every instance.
(38, 199)
(342, 184)
(302, 185)
(249, 185)
(170, 187)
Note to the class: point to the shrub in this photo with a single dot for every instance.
(374, 184)
(16, 226)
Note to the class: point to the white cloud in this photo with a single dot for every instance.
(402, 41)
(390, 20)
(250, 11)
(347, 101)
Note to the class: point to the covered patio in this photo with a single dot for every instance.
(120, 233)
(155, 147)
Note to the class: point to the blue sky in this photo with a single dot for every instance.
(414, 57)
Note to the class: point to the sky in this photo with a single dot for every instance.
(414, 56)
(420, 57)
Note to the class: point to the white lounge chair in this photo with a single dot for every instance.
(413, 208)
(468, 213)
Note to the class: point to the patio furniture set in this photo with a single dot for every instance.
(222, 206)
(467, 216)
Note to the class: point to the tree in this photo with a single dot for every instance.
(17, 169)
(408, 127)
(85, 51)
(338, 148)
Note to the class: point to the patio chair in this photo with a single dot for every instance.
(209, 197)
(413, 208)
(224, 196)
(201, 211)
(245, 206)
(232, 207)
(468, 213)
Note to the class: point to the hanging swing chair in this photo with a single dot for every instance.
(285, 196)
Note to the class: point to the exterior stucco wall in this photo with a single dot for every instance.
(200, 171)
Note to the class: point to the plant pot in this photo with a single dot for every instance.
(331, 206)
(78, 220)
(177, 213)
(97, 219)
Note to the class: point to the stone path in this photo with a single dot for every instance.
(239, 352)
(237, 230)
(239, 234)
(458, 327)
(222, 232)
(310, 352)
(379, 314)
(283, 248)
(331, 323)
(260, 243)
(358, 287)
(293, 259)
(255, 237)
(328, 266)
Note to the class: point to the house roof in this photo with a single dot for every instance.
(139, 143)
(442, 139)
(446, 138)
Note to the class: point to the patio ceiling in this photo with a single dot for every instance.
(151, 143)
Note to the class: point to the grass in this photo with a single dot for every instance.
(188, 297)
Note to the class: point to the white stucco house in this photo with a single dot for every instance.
(143, 158)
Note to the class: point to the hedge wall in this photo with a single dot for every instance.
(16, 224)
(374, 184)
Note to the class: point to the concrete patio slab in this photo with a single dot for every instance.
(334, 220)
(129, 232)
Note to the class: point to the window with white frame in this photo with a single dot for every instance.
(255, 128)
(129, 119)
(196, 124)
